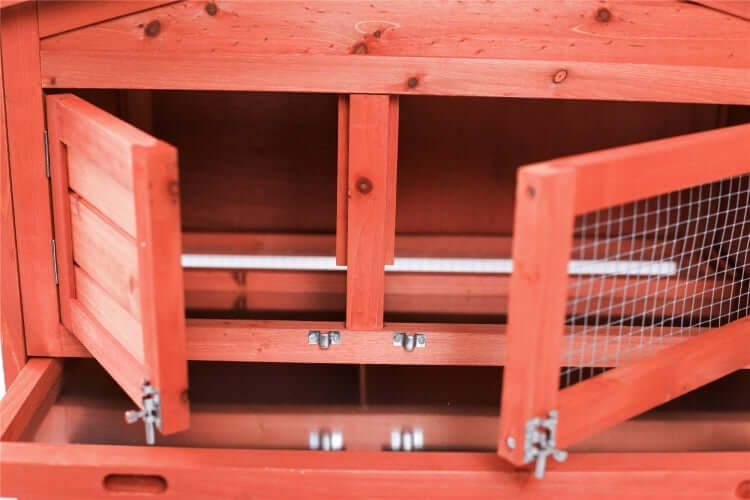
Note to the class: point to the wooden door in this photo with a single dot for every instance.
(118, 243)
(631, 286)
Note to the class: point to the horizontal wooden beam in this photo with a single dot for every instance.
(80, 471)
(397, 75)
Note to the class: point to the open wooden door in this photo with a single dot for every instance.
(118, 243)
(631, 286)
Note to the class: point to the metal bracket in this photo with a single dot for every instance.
(325, 440)
(409, 342)
(539, 442)
(407, 439)
(46, 155)
(323, 340)
(54, 263)
(150, 414)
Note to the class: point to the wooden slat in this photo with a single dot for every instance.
(118, 362)
(342, 180)
(157, 202)
(381, 74)
(627, 32)
(19, 40)
(605, 400)
(57, 16)
(12, 343)
(369, 162)
(78, 470)
(93, 183)
(125, 329)
(606, 178)
(107, 254)
(391, 180)
(543, 229)
(33, 391)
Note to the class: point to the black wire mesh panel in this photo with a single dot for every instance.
(650, 273)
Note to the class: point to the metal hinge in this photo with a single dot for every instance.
(326, 440)
(407, 439)
(150, 414)
(54, 262)
(46, 155)
(539, 442)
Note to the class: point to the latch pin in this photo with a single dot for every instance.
(150, 414)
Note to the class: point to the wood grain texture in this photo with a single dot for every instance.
(367, 193)
(57, 16)
(12, 342)
(607, 399)
(342, 180)
(643, 51)
(607, 178)
(210, 473)
(32, 393)
(126, 246)
(19, 40)
(542, 238)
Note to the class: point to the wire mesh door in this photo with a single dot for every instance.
(631, 286)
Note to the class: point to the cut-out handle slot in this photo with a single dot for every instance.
(135, 483)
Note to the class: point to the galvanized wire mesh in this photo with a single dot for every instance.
(679, 266)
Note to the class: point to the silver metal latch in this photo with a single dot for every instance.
(409, 342)
(326, 440)
(150, 414)
(539, 442)
(407, 439)
(323, 339)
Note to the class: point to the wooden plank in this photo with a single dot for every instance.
(101, 190)
(268, 341)
(382, 74)
(19, 40)
(342, 180)
(369, 157)
(157, 204)
(119, 362)
(606, 178)
(607, 399)
(33, 391)
(536, 312)
(12, 342)
(391, 181)
(209, 473)
(58, 16)
(622, 31)
(125, 329)
(107, 254)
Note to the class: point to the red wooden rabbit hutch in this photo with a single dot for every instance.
(337, 248)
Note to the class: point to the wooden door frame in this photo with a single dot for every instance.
(596, 181)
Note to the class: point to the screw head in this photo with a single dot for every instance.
(364, 185)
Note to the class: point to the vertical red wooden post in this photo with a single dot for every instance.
(11, 317)
(33, 218)
(542, 239)
(369, 181)
(342, 179)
